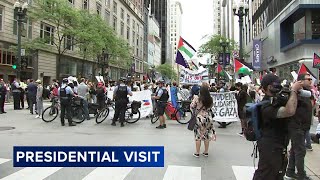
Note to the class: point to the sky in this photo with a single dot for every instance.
(197, 21)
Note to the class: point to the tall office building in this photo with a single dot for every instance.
(289, 34)
(159, 8)
(217, 17)
(175, 25)
(223, 19)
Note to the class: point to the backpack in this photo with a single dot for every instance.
(253, 119)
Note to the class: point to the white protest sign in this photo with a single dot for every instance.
(144, 97)
(225, 107)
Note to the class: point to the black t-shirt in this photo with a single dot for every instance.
(303, 117)
(274, 129)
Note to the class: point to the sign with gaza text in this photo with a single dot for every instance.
(193, 77)
(225, 107)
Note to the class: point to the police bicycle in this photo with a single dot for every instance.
(132, 114)
(52, 112)
(182, 114)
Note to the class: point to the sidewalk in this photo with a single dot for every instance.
(312, 162)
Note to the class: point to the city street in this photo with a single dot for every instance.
(229, 157)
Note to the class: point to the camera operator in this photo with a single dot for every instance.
(299, 125)
(273, 143)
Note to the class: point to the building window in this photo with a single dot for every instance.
(71, 2)
(133, 37)
(122, 29)
(98, 8)
(107, 16)
(47, 33)
(1, 17)
(115, 23)
(26, 30)
(85, 4)
(315, 23)
(68, 43)
(128, 33)
(108, 4)
(115, 7)
(128, 20)
(133, 25)
(122, 14)
(299, 29)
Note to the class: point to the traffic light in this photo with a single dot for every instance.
(14, 66)
(24, 63)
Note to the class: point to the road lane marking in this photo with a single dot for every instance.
(182, 173)
(32, 173)
(114, 173)
(243, 172)
(2, 160)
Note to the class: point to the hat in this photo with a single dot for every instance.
(38, 81)
(270, 79)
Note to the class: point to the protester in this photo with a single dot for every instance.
(204, 129)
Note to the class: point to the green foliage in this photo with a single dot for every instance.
(213, 46)
(166, 70)
(89, 32)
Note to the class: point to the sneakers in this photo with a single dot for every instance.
(122, 125)
(160, 127)
(205, 154)
(196, 155)
(113, 124)
(291, 176)
(164, 126)
(309, 148)
(241, 134)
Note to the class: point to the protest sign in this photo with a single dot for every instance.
(225, 107)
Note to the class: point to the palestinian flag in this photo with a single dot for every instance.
(185, 52)
(220, 70)
(304, 70)
(316, 61)
(239, 65)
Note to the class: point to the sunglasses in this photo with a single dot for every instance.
(310, 79)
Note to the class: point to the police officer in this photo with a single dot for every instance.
(120, 96)
(161, 98)
(65, 93)
(272, 145)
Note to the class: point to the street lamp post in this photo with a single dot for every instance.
(224, 45)
(241, 12)
(21, 10)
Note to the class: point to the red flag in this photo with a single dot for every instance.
(316, 61)
(238, 65)
(304, 70)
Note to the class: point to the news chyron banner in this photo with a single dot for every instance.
(88, 156)
(225, 107)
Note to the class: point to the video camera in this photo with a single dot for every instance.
(283, 95)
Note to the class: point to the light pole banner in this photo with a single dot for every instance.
(257, 54)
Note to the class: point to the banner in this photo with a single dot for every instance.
(88, 156)
(257, 54)
(187, 77)
(144, 97)
(225, 107)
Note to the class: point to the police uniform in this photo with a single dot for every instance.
(161, 103)
(65, 94)
(121, 101)
(3, 91)
(273, 145)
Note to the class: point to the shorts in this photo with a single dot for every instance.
(160, 108)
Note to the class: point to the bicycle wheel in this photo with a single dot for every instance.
(182, 115)
(50, 114)
(154, 117)
(77, 115)
(131, 117)
(102, 115)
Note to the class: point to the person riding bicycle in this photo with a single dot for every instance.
(121, 100)
(161, 97)
(65, 94)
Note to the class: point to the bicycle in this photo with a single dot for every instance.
(52, 112)
(132, 113)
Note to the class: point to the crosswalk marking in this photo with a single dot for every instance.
(182, 173)
(32, 173)
(243, 172)
(3, 160)
(114, 173)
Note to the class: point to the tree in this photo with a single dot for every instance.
(167, 71)
(213, 46)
